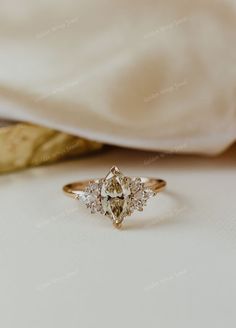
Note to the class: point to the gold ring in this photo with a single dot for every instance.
(116, 196)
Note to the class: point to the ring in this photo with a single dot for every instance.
(116, 196)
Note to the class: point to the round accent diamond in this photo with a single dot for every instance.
(91, 197)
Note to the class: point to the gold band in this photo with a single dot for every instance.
(76, 188)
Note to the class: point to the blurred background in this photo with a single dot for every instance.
(148, 75)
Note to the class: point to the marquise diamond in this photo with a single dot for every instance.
(116, 196)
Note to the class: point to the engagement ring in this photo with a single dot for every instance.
(116, 196)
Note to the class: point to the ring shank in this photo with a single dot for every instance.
(76, 188)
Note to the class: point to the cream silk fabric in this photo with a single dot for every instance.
(156, 75)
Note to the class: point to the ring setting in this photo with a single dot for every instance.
(116, 196)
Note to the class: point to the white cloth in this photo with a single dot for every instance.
(147, 74)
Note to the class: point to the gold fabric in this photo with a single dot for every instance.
(23, 145)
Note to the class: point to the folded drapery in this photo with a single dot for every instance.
(156, 75)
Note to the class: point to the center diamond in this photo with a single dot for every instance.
(115, 195)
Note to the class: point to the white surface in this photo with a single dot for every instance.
(155, 75)
(172, 266)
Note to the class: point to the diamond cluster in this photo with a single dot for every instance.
(116, 196)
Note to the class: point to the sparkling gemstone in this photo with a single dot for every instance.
(116, 196)
(91, 197)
